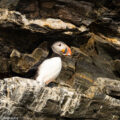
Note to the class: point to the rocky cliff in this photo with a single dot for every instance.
(89, 84)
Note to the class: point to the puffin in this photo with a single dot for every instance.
(51, 67)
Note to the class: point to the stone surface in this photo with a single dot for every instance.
(21, 97)
(92, 73)
(22, 63)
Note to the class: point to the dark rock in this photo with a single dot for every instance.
(116, 64)
(8, 4)
(88, 85)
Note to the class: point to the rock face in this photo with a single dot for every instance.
(89, 81)
(24, 99)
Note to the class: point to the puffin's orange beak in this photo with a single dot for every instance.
(63, 50)
(67, 51)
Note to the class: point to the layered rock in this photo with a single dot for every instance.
(24, 99)
(89, 79)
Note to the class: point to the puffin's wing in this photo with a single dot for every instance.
(49, 70)
(32, 71)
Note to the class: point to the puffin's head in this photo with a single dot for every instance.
(61, 48)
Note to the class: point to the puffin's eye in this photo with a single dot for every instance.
(59, 45)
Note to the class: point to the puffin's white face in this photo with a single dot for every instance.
(61, 48)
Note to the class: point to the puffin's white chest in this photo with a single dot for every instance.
(49, 70)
